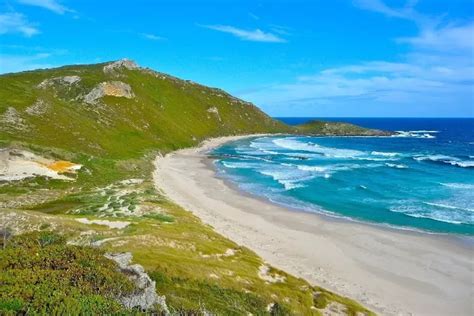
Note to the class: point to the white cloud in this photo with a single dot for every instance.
(152, 37)
(256, 35)
(16, 23)
(406, 12)
(448, 38)
(397, 88)
(436, 76)
(51, 5)
(15, 63)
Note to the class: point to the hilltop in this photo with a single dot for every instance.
(95, 109)
(77, 145)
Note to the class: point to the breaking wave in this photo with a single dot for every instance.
(373, 179)
(453, 161)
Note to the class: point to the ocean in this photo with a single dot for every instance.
(421, 179)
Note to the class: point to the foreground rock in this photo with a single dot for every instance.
(146, 297)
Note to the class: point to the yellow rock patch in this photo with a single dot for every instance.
(62, 166)
(114, 90)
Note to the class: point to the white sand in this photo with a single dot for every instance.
(22, 164)
(110, 224)
(393, 272)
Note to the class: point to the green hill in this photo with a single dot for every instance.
(96, 109)
(111, 120)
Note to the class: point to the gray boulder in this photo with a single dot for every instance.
(119, 65)
(145, 298)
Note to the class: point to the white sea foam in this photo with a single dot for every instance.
(289, 143)
(375, 158)
(451, 215)
(433, 158)
(462, 164)
(415, 134)
(239, 165)
(464, 186)
(423, 131)
(270, 148)
(437, 216)
(290, 185)
(288, 179)
(330, 169)
(451, 207)
(398, 166)
(312, 168)
(447, 160)
(384, 154)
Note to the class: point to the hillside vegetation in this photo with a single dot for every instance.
(76, 151)
(338, 129)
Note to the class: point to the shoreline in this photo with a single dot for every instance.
(392, 271)
(465, 240)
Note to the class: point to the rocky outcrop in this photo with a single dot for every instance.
(113, 67)
(145, 298)
(38, 108)
(63, 81)
(12, 120)
(214, 111)
(109, 88)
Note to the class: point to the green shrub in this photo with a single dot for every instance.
(40, 273)
(187, 296)
(160, 217)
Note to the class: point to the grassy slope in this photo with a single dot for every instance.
(116, 140)
(167, 113)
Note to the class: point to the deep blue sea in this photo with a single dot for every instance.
(422, 178)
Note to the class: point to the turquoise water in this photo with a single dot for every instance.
(421, 179)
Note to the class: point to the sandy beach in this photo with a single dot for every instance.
(393, 272)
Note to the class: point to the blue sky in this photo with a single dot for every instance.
(291, 58)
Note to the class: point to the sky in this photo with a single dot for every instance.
(333, 58)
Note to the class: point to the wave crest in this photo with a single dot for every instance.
(453, 161)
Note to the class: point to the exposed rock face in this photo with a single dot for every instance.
(65, 81)
(111, 88)
(120, 64)
(38, 108)
(145, 298)
(214, 111)
(11, 119)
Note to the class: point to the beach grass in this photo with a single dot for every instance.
(193, 266)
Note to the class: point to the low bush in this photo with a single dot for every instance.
(41, 274)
